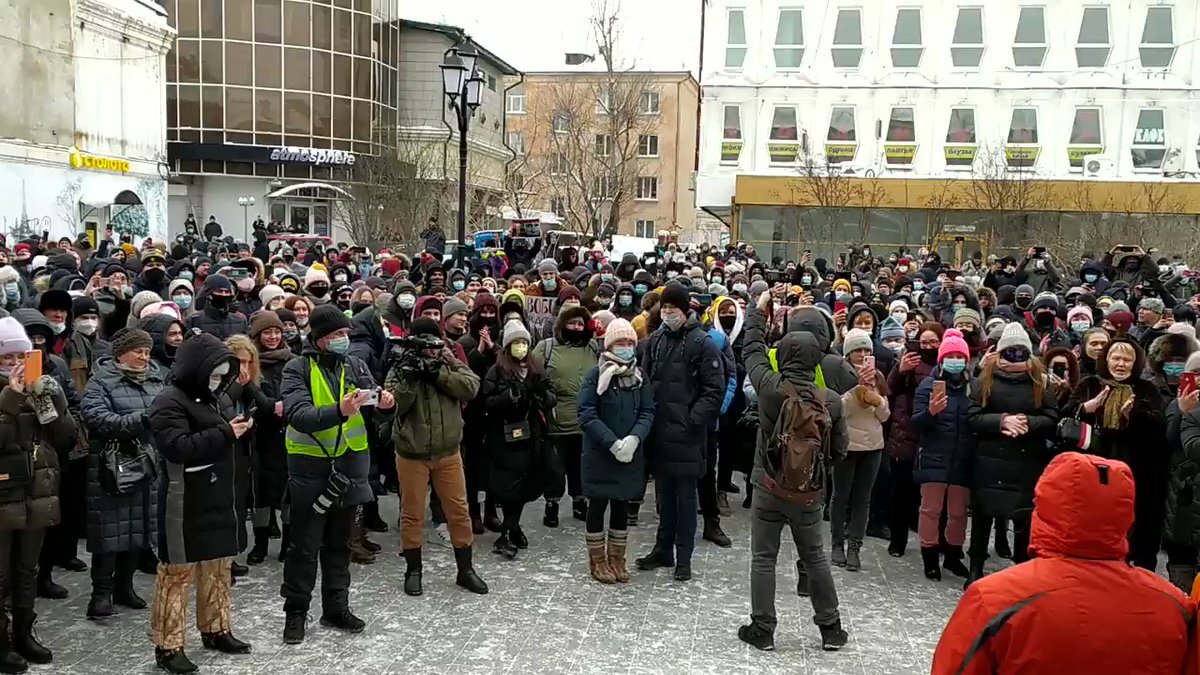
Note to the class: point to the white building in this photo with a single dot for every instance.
(82, 132)
(912, 89)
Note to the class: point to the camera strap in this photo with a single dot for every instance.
(341, 394)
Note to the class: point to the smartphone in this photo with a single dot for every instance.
(839, 307)
(939, 388)
(1187, 383)
(33, 365)
(912, 347)
(869, 362)
(1040, 250)
(373, 399)
(251, 411)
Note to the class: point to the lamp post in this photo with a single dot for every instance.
(245, 203)
(463, 86)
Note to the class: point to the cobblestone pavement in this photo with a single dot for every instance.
(543, 615)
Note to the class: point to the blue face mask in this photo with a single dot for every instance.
(339, 345)
(12, 292)
(625, 353)
(641, 289)
(184, 301)
(1080, 326)
(625, 301)
(187, 274)
(954, 366)
(550, 284)
(1090, 278)
(458, 285)
(1173, 369)
(918, 286)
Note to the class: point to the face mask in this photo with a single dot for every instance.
(625, 300)
(1010, 270)
(1173, 369)
(959, 305)
(458, 285)
(1080, 326)
(87, 326)
(728, 323)
(220, 302)
(406, 301)
(339, 345)
(245, 285)
(217, 376)
(1015, 355)
(291, 335)
(918, 285)
(5, 371)
(519, 350)
(339, 279)
(607, 278)
(928, 355)
(214, 383)
(740, 288)
(806, 280)
(184, 301)
(1089, 278)
(187, 274)
(672, 274)
(673, 321)
(343, 303)
(12, 292)
(57, 328)
(1023, 301)
(899, 317)
(625, 354)
(953, 366)
(550, 284)
(302, 321)
(1044, 319)
(640, 289)
(318, 290)
(896, 347)
(717, 280)
(604, 301)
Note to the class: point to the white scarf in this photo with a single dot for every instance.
(627, 373)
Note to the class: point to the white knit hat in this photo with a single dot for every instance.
(13, 339)
(619, 329)
(856, 338)
(1014, 335)
(314, 275)
(514, 330)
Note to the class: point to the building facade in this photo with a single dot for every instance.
(83, 131)
(917, 122)
(610, 153)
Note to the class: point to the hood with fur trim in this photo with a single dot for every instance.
(1170, 347)
(568, 313)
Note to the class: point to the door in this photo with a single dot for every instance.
(299, 219)
(321, 219)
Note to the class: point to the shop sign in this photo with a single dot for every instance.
(782, 153)
(1025, 155)
(1076, 154)
(840, 152)
(899, 154)
(960, 155)
(82, 160)
(292, 154)
(730, 151)
(962, 228)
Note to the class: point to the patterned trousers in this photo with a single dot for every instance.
(169, 614)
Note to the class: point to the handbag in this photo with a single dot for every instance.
(517, 432)
(126, 469)
(1077, 434)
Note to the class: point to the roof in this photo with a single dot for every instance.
(457, 34)
(599, 73)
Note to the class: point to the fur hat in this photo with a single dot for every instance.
(618, 329)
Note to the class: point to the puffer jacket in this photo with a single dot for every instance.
(606, 418)
(116, 409)
(218, 323)
(518, 470)
(864, 423)
(903, 438)
(947, 443)
(1182, 522)
(429, 419)
(29, 445)
(568, 365)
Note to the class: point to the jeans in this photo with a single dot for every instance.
(564, 467)
(676, 518)
(768, 516)
(853, 478)
(324, 536)
(708, 484)
(955, 499)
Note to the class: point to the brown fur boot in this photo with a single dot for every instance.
(598, 559)
(616, 554)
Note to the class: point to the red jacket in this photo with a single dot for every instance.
(1077, 608)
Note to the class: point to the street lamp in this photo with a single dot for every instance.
(245, 203)
(463, 85)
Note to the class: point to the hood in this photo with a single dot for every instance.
(1139, 359)
(1170, 346)
(711, 317)
(194, 362)
(366, 327)
(862, 308)
(1082, 508)
(968, 294)
(422, 303)
(33, 321)
(814, 321)
(512, 301)
(1094, 266)
(157, 326)
(798, 355)
(568, 313)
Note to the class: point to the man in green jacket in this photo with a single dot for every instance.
(430, 389)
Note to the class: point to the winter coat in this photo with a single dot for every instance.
(864, 424)
(26, 443)
(268, 457)
(517, 469)
(903, 438)
(838, 374)
(81, 354)
(565, 369)
(947, 443)
(197, 489)
(1006, 469)
(369, 342)
(115, 409)
(689, 378)
(1077, 608)
(216, 323)
(605, 419)
(1182, 522)
(429, 422)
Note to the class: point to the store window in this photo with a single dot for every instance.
(961, 144)
(1087, 136)
(789, 39)
(907, 47)
(1029, 44)
(1094, 44)
(967, 49)
(735, 40)
(847, 39)
(1022, 149)
(1158, 38)
(900, 146)
(784, 142)
(841, 143)
(731, 135)
(1149, 140)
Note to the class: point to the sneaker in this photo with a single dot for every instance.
(833, 637)
(579, 509)
(723, 505)
(757, 637)
(439, 536)
(344, 620)
(853, 561)
(293, 627)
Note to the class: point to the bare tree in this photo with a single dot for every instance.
(1012, 195)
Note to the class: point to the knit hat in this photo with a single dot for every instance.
(618, 329)
(677, 296)
(603, 318)
(1079, 313)
(177, 284)
(269, 293)
(1045, 300)
(425, 326)
(315, 275)
(262, 320)
(139, 302)
(513, 331)
(856, 338)
(890, 328)
(1122, 321)
(1024, 289)
(84, 305)
(842, 285)
(898, 304)
(968, 315)
(128, 339)
(759, 287)
(547, 265)
(1152, 304)
(1116, 306)
(1014, 335)
(326, 319)
(453, 306)
(9, 274)
(13, 339)
(953, 343)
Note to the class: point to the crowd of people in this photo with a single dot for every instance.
(178, 406)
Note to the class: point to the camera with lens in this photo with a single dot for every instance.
(410, 356)
(332, 496)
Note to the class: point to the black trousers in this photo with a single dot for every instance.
(707, 487)
(1180, 554)
(112, 570)
(618, 514)
(314, 536)
(981, 538)
(19, 552)
(564, 467)
(905, 502)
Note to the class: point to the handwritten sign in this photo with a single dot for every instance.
(540, 313)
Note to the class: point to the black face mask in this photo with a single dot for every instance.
(344, 303)
(576, 337)
(728, 322)
(318, 290)
(220, 303)
(155, 273)
(929, 355)
(1023, 301)
(1044, 319)
(359, 306)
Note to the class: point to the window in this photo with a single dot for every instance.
(789, 39)
(735, 39)
(603, 187)
(558, 207)
(562, 124)
(1029, 44)
(516, 141)
(961, 146)
(841, 143)
(515, 104)
(491, 80)
(648, 103)
(967, 49)
(900, 145)
(1093, 46)
(1087, 136)
(603, 100)
(731, 135)
(906, 39)
(644, 229)
(847, 39)
(559, 166)
(647, 187)
(1022, 149)
(604, 145)
(1158, 38)
(1149, 140)
(783, 146)
(648, 145)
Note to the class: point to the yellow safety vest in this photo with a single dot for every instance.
(350, 434)
(819, 377)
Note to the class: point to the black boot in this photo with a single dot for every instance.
(224, 643)
(24, 641)
(1003, 550)
(371, 519)
(505, 547)
(550, 519)
(273, 527)
(412, 572)
(293, 626)
(653, 560)
(714, 533)
(976, 571)
(237, 569)
(476, 520)
(258, 553)
(343, 620)
(490, 520)
(74, 564)
(929, 556)
(173, 661)
(579, 509)
(46, 588)
(10, 660)
(123, 592)
(953, 562)
(147, 561)
(634, 509)
(468, 578)
(285, 541)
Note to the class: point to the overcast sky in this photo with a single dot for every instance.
(534, 34)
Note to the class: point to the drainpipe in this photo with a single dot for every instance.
(504, 135)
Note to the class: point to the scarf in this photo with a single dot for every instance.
(1018, 367)
(1118, 395)
(135, 374)
(627, 373)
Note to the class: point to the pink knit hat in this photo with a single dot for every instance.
(953, 343)
(1082, 313)
(619, 329)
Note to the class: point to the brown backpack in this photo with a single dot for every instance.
(796, 461)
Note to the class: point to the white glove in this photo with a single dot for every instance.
(615, 449)
(629, 446)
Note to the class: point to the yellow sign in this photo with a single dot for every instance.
(1076, 154)
(900, 154)
(81, 160)
(730, 151)
(840, 152)
(783, 152)
(1022, 156)
(959, 155)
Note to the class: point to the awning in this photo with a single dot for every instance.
(101, 195)
(312, 191)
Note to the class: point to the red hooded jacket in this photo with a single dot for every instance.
(1076, 608)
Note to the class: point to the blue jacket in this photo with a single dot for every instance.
(722, 343)
(605, 419)
(947, 445)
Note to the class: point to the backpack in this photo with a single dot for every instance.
(796, 463)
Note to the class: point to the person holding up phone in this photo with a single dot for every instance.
(1181, 527)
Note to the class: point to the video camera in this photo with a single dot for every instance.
(409, 354)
